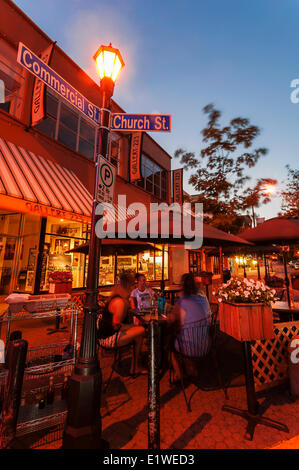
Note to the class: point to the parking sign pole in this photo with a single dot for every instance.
(83, 428)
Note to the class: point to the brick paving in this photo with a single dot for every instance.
(124, 408)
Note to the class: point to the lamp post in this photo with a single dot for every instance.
(83, 426)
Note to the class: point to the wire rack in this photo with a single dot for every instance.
(40, 427)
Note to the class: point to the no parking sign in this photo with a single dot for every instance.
(106, 181)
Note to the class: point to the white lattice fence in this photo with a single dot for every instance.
(270, 357)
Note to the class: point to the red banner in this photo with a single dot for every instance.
(135, 156)
(38, 108)
(177, 185)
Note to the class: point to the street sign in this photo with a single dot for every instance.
(46, 74)
(106, 181)
(140, 122)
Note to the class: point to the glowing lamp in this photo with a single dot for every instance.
(269, 189)
(109, 62)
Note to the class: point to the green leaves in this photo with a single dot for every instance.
(220, 168)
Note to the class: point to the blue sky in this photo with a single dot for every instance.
(180, 56)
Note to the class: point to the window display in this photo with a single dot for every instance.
(61, 237)
(19, 238)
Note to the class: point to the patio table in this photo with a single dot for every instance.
(169, 290)
(253, 413)
(285, 312)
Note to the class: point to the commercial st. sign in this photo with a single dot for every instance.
(46, 74)
(118, 121)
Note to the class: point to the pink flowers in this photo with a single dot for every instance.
(245, 291)
(60, 276)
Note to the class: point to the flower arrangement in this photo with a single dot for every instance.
(60, 276)
(245, 291)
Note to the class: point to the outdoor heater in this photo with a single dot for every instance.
(83, 426)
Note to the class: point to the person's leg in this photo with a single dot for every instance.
(127, 336)
(176, 367)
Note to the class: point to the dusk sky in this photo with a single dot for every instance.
(180, 56)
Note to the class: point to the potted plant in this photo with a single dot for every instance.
(60, 282)
(246, 312)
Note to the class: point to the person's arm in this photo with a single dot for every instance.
(117, 309)
(176, 316)
(133, 301)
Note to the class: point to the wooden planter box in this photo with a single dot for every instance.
(60, 287)
(246, 322)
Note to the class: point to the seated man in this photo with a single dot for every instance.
(142, 296)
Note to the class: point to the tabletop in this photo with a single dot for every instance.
(146, 317)
(173, 288)
(284, 306)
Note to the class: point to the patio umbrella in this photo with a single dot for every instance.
(117, 224)
(117, 246)
(277, 231)
(274, 231)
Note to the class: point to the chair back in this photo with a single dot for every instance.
(194, 339)
(214, 318)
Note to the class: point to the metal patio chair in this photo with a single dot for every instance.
(196, 342)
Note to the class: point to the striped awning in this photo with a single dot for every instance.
(31, 183)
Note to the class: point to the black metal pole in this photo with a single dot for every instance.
(265, 264)
(221, 263)
(84, 425)
(252, 403)
(115, 267)
(253, 216)
(153, 387)
(162, 278)
(258, 269)
(40, 256)
(17, 351)
(287, 281)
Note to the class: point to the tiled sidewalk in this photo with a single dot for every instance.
(124, 411)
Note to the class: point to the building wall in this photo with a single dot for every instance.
(16, 27)
(15, 127)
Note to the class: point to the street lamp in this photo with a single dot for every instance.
(83, 427)
(266, 191)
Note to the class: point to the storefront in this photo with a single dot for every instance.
(42, 224)
(20, 245)
(31, 247)
(148, 262)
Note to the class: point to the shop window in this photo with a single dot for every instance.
(107, 270)
(154, 178)
(114, 149)
(150, 264)
(216, 265)
(68, 127)
(19, 239)
(64, 123)
(62, 236)
(11, 81)
(194, 262)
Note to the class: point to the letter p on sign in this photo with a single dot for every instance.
(2, 358)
